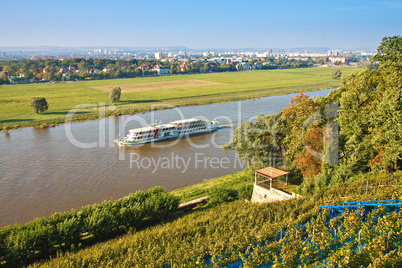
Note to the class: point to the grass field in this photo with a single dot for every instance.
(138, 94)
(162, 85)
(231, 181)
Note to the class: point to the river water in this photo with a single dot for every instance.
(43, 171)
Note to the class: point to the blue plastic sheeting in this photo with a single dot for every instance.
(373, 202)
(393, 204)
(235, 265)
(390, 205)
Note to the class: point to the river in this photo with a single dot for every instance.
(43, 171)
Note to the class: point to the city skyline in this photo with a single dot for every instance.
(223, 24)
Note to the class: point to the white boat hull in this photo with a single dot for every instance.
(123, 142)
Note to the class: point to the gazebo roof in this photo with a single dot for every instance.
(271, 172)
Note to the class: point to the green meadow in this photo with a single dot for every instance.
(15, 110)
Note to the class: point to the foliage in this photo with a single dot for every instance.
(21, 244)
(389, 52)
(336, 74)
(356, 129)
(114, 95)
(3, 78)
(309, 164)
(102, 68)
(387, 137)
(39, 105)
(300, 116)
(257, 143)
(221, 196)
(245, 192)
(281, 234)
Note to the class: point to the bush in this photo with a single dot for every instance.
(21, 244)
(220, 196)
(245, 192)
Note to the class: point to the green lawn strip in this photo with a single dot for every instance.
(231, 181)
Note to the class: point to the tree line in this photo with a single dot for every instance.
(80, 68)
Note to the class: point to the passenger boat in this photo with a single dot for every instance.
(172, 130)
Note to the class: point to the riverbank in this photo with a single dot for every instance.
(140, 95)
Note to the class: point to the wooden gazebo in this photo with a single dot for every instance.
(270, 173)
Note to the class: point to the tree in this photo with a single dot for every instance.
(28, 75)
(387, 118)
(294, 117)
(358, 103)
(308, 164)
(336, 74)
(387, 134)
(3, 78)
(206, 67)
(389, 52)
(258, 143)
(119, 74)
(39, 104)
(114, 95)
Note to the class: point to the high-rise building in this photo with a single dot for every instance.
(158, 55)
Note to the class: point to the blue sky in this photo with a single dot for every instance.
(199, 24)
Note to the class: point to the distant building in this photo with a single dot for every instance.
(342, 59)
(183, 67)
(47, 69)
(12, 80)
(144, 67)
(217, 60)
(257, 65)
(161, 70)
(63, 71)
(243, 66)
(19, 79)
(158, 55)
(94, 71)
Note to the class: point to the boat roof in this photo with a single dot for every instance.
(171, 124)
(186, 121)
(151, 127)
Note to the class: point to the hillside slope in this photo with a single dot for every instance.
(261, 234)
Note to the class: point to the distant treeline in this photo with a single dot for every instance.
(43, 237)
(39, 70)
